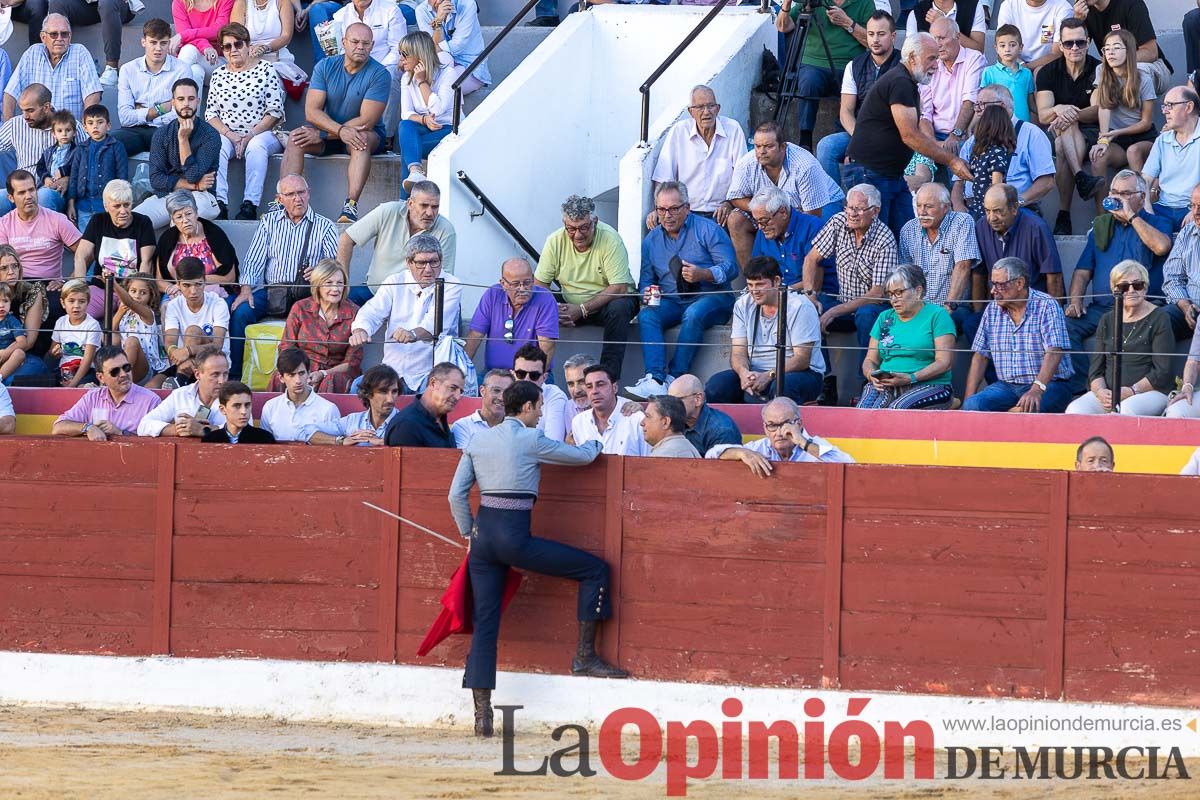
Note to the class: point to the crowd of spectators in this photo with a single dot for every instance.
(917, 222)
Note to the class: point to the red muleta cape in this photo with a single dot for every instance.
(455, 616)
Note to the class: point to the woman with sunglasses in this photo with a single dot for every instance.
(1126, 98)
(912, 348)
(245, 105)
(1148, 344)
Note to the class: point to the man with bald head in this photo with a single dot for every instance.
(948, 100)
(511, 314)
(786, 439)
(343, 110)
(27, 135)
(700, 152)
(390, 226)
(706, 426)
(66, 69)
(1007, 230)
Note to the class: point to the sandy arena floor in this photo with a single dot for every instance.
(56, 753)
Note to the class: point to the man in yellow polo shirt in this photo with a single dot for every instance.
(588, 261)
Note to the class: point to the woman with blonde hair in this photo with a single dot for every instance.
(1148, 344)
(1125, 96)
(426, 101)
(320, 326)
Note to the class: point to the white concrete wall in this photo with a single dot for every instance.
(562, 121)
(732, 68)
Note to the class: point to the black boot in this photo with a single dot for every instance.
(483, 712)
(586, 661)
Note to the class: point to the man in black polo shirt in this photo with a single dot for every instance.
(1104, 16)
(860, 75)
(1064, 106)
(423, 423)
(886, 132)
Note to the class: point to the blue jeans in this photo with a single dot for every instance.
(416, 141)
(726, 387)
(1176, 215)
(546, 8)
(813, 83)
(967, 320)
(693, 320)
(831, 152)
(1078, 330)
(320, 12)
(861, 321)
(359, 295)
(1001, 396)
(239, 318)
(32, 365)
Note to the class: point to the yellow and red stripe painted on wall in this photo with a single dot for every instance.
(934, 438)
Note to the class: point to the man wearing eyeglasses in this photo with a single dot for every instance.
(512, 314)
(691, 261)
(1127, 233)
(115, 408)
(66, 69)
(786, 439)
(1024, 334)
(1173, 167)
(1064, 106)
(700, 152)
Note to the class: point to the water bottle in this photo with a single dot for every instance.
(1111, 204)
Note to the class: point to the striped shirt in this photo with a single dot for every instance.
(277, 245)
(73, 79)
(1017, 350)
(955, 242)
(801, 178)
(859, 267)
(1181, 273)
(29, 143)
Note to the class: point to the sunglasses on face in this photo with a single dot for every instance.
(1074, 44)
(115, 371)
(1136, 286)
(236, 44)
(527, 375)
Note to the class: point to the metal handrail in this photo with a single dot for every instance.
(671, 59)
(466, 73)
(489, 206)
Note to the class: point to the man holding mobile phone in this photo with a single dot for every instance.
(191, 411)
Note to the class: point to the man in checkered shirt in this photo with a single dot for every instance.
(1024, 333)
(864, 252)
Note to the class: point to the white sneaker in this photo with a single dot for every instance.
(646, 388)
(109, 76)
(416, 174)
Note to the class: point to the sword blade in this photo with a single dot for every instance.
(410, 523)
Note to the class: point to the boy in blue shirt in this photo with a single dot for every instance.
(93, 164)
(1010, 72)
(55, 165)
(12, 335)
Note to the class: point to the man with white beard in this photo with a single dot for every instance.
(887, 132)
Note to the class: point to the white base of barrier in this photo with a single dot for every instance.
(387, 694)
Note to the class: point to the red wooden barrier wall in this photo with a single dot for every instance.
(964, 581)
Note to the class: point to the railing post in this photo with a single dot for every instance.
(439, 296)
(1118, 346)
(457, 110)
(108, 312)
(645, 90)
(781, 320)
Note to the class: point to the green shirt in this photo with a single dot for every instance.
(909, 346)
(582, 276)
(842, 46)
(387, 224)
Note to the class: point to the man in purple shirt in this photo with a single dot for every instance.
(114, 409)
(512, 314)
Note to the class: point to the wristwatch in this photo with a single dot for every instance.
(957, 133)
(1039, 384)
(339, 440)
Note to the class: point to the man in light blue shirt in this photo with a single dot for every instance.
(377, 389)
(1031, 171)
(1173, 166)
(786, 440)
(66, 69)
(458, 33)
(691, 260)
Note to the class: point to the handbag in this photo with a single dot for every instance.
(281, 297)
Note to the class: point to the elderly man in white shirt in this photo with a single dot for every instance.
(405, 302)
(700, 153)
(620, 433)
(299, 412)
(785, 440)
(190, 411)
(491, 408)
